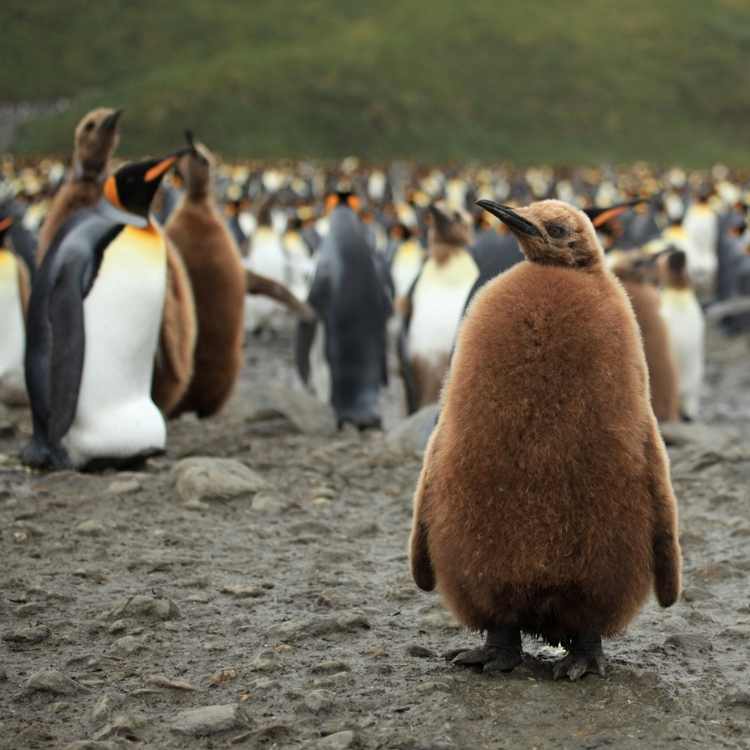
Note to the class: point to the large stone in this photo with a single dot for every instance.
(338, 741)
(307, 413)
(208, 720)
(201, 479)
(411, 435)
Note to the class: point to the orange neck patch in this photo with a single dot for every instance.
(110, 192)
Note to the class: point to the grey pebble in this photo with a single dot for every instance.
(338, 741)
(34, 634)
(208, 720)
(52, 681)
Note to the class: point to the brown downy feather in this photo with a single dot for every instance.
(217, 275)
(96, 138)
(173, 368)
(662, 371)
(545, 500)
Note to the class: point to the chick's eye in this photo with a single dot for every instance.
(89, 126)
(555, 231)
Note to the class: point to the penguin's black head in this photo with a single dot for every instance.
(5, 224)
(133, 186)
(96, 138)
(553, 232)
(447, 227)
(342, 198)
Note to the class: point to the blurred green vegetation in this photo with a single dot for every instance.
(548, 81)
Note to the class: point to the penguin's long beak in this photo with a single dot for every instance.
(509, 217)
(110, 121)
(600, 216)
(159, 169)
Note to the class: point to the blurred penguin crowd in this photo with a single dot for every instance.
(372, 264)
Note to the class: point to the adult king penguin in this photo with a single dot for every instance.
(349, 296)
(93, 325)
(96, 138)
(545, 504)
(434, 306)
(14, 298)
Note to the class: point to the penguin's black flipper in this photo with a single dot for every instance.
(407, 373)
(66, 355)
(317, 299)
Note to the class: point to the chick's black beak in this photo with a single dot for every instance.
(110, 121)
(509, 217)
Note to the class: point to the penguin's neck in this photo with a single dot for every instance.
(84, 171)
(442, 252)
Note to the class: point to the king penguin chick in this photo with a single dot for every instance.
(217, 276)
(684, 318)
(632, 271)
(14, 299)
(96, 138)
(434, 307)
(93, 326)
(545, 505)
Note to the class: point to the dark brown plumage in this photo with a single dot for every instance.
(96, 138)
(217, 276)
(545, 503)
(173, 368)
(662, 372)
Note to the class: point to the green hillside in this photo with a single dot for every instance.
(553, 80)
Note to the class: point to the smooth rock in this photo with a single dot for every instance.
(208, 720)
(52, 681)
(309, 415)
(268, 502)
(127, 645)
(419, 651)
(411, 435)
(338, 741)
(319, 700)
(214, 479)
(34, 634)
(91, 527)
(145, 607)
(123, 486)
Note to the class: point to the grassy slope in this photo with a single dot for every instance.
(531, 81)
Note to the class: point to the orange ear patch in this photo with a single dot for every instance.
(110, 192)
(606, 216)
(5, 223)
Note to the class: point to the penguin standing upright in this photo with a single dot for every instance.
(14, 298)
(266, 257)
(217, 277)
(96, 138)
(633, 273)
(93, 325)
(349, 296)
(545, 505)
(684, 318)
(434, 307)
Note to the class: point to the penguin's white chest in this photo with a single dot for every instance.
(266, 258)
(684, 319)
(406, 265)
(13, 335)
(437, 304)
(115, 416)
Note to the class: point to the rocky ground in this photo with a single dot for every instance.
(266, 602)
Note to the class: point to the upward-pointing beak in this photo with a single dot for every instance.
(110, 121)
(509, 217)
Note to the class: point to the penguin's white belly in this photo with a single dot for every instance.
(404, 272)
(686, 334)
(13, 335)
(266, 258)
(116, 417)
(437, 304)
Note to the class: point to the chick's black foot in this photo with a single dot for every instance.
(585, 657)
(501, 652)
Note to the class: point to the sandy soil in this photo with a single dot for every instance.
(123, 606)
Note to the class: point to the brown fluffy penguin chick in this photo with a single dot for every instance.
(96, 138)
(545, 504)
(217, 275)
(646, 302)
(173, 369)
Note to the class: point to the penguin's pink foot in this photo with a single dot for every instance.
(500, 653)
(585, 657)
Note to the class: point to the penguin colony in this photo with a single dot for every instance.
(126, 321)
